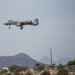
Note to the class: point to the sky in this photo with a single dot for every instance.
(56, 28)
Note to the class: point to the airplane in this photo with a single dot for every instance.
(21, 24)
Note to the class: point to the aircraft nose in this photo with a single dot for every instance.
(5, 23)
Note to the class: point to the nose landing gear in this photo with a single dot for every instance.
(21, 28)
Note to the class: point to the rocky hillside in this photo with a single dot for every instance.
(47, 60)
(20, 59)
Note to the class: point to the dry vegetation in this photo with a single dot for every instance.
(40, 69)
(59, 70)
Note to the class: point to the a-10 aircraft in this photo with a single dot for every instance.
(21, 24)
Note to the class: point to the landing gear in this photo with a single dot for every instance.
(9, 26)
(21, 28)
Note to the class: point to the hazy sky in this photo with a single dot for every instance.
(56, 28)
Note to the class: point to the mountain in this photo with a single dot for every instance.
(63, 60)
(20, 59)
(47, 60)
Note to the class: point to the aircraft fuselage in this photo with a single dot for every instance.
(21, 24)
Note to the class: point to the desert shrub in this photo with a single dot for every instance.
(16, 73)
(12, 68)
(60, 67)
(62, 72)
(8, 74)
(3, 71)
(37, 64)
(28, 73)
(18, 69)
(39, 67)
(71, 63)
(45, 73)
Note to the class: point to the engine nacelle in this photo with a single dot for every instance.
(36, 22)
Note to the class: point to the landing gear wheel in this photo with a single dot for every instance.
(21, 28)
(9, 26)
